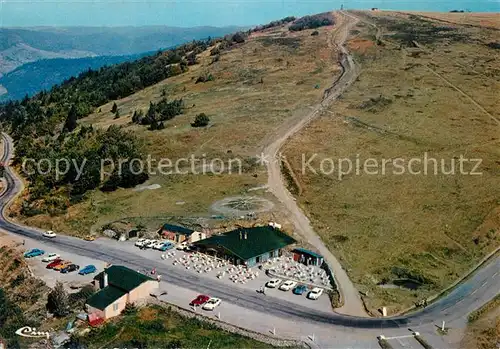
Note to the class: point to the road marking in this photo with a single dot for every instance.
(473, 292)
(397, 337)
(494, 275)
(483, 284)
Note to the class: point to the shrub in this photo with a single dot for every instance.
(238, 38)
(312, 22)
(130, 309)
(205, 78)
(57, 301)
(201, 120)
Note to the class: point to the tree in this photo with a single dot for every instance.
(57, 301)
(238, 38)
(70, 123)
(201, 120)
(117, 114)
(114, 108)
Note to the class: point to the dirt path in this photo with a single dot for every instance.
(459, 90)
(352, 302)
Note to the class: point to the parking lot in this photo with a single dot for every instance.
(206, 266)
(51, 276)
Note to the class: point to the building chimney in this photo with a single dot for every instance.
(104, 280)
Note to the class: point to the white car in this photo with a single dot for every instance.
(315, 293)
(144, 243)
(288, 285)
(273, 283)
(50, 257)
(211, 304)
(49, 234)
(140, 242)
(158, 244)
(151, 243)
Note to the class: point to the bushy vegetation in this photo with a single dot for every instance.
(85, 150)
(227, 42)
(205, 78)
(159, 112)
(418, 29)
(11, 319)
(201, 120)
(157, 327)
(57, 301)
(312, 22)
(274, 24)
(46, 127)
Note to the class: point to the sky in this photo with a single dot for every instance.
(190, 13)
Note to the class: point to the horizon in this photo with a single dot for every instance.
(19, 14)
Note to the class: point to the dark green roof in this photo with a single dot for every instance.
(177, 229)
(259, 241)
(123, 278)
(105, 297)
(308, 252)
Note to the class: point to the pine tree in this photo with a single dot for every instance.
(57, 300)
(70, 123)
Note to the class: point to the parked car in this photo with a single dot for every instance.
(150, 244)
(212, 303)
(287, 285)
(158, 244)
(50, 257)
(200, 300)
(167, 246)
(69, 268)
(33, 253)
(140, 242)
(315, 293)
(273, 283)
(88, 269)
(182, 246)
(300, 289)
(54, 263)
(89, 238)
(61, 265)
(49, 234)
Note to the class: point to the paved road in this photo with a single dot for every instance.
(353, 304)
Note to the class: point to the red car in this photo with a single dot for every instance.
(200, 300)
(54, 263)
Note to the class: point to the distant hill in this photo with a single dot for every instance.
(34, 77)
(22, 46)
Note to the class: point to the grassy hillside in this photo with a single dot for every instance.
(271, 78)
(394, 230)
(483, 329)
(155, 327)
(22, 296)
